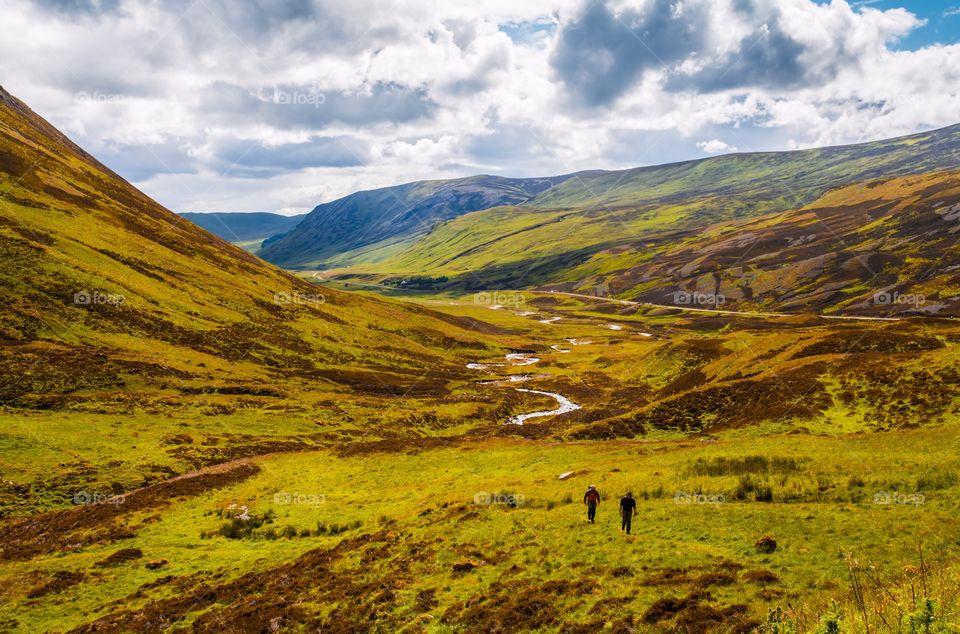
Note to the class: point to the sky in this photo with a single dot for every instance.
(279, 105)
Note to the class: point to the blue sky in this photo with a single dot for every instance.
(279, 105)
(942, 20)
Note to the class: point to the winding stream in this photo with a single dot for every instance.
(566, 405)
(520, 359)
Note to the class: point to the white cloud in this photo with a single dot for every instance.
(715, 146)
(167, 93)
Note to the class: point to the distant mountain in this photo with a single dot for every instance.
(113, 301)
(244, 229)
(612, 230)
(386, 218)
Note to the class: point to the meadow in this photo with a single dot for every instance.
(835, 513)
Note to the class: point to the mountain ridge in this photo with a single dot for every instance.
(738, 184)
(602, 229)
(246, 229)
(394, 214)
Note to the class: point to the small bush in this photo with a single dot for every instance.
(830, 622)
(238, 528)
(763, 494)
(746, 488)
(765, 545)
(779, 623)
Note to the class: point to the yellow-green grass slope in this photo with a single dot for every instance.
(114, 307)
(484, 536)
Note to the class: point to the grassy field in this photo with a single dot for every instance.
(467, 526)
(481, 535)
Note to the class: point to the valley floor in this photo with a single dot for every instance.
(761, 512)
(482, 535)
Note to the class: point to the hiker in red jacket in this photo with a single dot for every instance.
(592, 499)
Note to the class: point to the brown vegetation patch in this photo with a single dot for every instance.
(870, 341)
(362, 596)
(121, 556)
(88, 524)
(518, 605)
(62, 579)
(761, 577)
(692, 615)
(797, 393)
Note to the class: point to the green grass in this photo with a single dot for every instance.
(429, 498)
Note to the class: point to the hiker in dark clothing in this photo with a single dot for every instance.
(627, 508)
(592, 499)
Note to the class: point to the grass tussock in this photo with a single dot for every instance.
(744, 465)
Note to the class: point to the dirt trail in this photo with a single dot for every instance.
(715, 311)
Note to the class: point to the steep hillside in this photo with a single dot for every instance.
(383, 218)
(112, 300)
(244, 229)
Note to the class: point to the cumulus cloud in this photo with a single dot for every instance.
(715, 146)
(221, 105)
(601, 53)
(705, 46)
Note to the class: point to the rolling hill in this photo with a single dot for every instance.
(882, 247)
(244, 229)
(607, 230)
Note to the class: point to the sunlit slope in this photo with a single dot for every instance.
(540, 240)
(880, 247)
(104, 289)
(751, 183)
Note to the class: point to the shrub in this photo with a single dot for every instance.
(745, 488)
(830, 622)
(779, 623)
(763, 494)
(765, 545)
